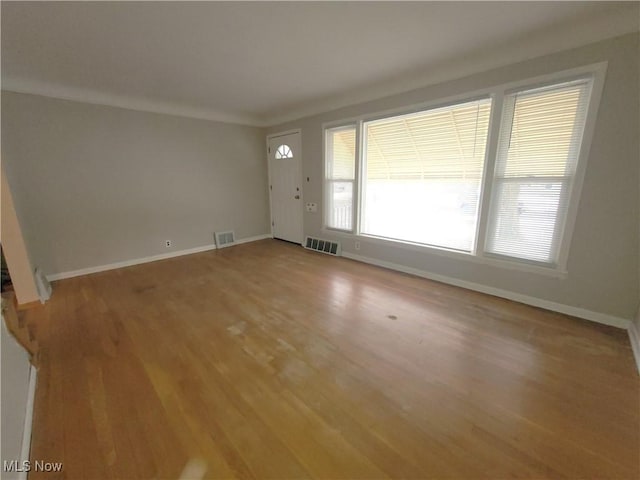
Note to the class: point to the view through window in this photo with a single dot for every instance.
(419, 177)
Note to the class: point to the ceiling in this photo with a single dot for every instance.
(262, 63)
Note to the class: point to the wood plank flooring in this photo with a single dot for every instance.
(268, 361)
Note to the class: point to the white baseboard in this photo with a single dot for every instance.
(634, 337)
(152, 258)
(518, 297)
(25, 449)
(253, 239)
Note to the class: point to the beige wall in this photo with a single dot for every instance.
(637, 318)
(95, 185)
(603, 260)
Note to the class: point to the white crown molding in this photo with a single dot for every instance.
(598, 317)
(611, 24)
(556, 38)
(96, 97)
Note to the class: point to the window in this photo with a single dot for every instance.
(422, 175)
(540, 137)
(283, 151)
(453, 177)
(340, 177)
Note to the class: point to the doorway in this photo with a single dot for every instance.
(285, 185)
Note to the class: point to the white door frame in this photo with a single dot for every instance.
(268, 139)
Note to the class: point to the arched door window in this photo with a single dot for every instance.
(283, 151)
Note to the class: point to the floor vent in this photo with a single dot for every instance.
(225, 239)
(324, 246)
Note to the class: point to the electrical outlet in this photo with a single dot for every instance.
(167, 243)
(311, 207)
(357, 245)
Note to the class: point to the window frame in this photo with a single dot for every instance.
(326, 181)
(497, 93)
(362, 161)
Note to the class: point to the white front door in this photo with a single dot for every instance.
(285, 175)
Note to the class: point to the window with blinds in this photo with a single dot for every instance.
(417, 177)
(340, 169)
(539, 143)
(422, 175)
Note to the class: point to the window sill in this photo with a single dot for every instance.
(558, 272)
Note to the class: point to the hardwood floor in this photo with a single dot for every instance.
(269, 361)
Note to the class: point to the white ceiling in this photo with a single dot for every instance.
(265, 62)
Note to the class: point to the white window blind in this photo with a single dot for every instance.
(540, 137)
(340, 177)
(422, 175)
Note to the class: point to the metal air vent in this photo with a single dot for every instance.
(324, 246)
(224, 239)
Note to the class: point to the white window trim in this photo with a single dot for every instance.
(497, 93)
(355, 206)
(444, 252)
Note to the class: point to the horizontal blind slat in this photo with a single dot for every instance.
(423, 173)
(540, 138)
(341, 167)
